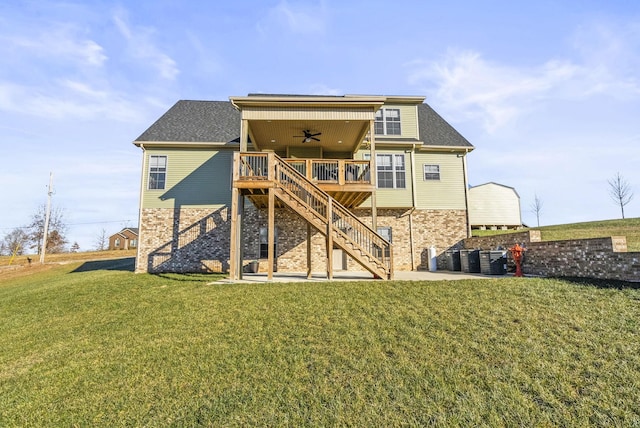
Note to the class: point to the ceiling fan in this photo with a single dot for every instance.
(308, 136)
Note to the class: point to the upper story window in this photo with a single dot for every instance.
(431, 172)
(387, 121)
(391, 171)
(157, 172)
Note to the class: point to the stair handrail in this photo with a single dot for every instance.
(348, 225)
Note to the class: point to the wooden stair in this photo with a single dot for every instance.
(324, 213)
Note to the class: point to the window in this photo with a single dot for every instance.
(391, 171)
(157, 172)
(431, 172)
(133, 243)
(385, 232)
(264, 242)
(117, 243)
(387, 122)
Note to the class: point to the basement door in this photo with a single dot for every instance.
(339, 259)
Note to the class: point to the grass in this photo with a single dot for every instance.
(66, 257)
(593, 229)
(112, 348)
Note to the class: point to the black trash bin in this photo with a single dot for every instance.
(470, 261)
(493, 262)
(453, 260)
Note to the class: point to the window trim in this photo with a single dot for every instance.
(394, 170)
(424, 172)
(385, 120)
(166, 167)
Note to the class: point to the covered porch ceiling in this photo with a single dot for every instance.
(333, 123)
(331, 135)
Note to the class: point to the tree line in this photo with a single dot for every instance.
(21, 240)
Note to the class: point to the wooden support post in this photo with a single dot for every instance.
(233, 241)
(329, 239)
(308, 250)
(374, 177)
(240, 234)
(244, 135)
(271, 232)
(341, 172)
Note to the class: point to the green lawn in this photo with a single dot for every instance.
(593, 229)
(111, 348)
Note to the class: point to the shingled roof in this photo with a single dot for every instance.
(196, 121)
(435, 131)
(219, 121)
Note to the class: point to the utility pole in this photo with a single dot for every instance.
(45, 233)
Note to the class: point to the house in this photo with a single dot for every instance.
(300, 183)
(494, 206)
(126, 239)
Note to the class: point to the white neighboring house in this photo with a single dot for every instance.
(494, 206)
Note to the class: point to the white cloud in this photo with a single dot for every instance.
(297, 18)
(69, 100)
(321, 89)
(490, 92)
(142, 47)
(59, 42)
(496, 94)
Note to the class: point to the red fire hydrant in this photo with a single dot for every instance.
(517, 252)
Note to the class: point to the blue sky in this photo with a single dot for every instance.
(547, 91)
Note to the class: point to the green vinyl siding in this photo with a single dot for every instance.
(445, 193)
(195, 178)
(393, 198)
(408, 121)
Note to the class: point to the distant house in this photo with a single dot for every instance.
(126, 239)
(494, 206)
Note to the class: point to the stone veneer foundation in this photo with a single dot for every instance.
(197, 240)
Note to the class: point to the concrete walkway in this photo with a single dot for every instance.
(249, 278)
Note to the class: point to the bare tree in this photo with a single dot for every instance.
(56, 243)
(102, 240)
(74, 247)
(620, 191)
(17, 240)
(536, 207)
(57, 224)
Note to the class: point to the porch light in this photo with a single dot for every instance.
(339, 141)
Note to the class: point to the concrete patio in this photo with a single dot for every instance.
(359, 276)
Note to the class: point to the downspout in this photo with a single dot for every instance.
(466, 191)
(140, 230)
(413, 205)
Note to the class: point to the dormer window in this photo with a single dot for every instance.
(387, 121)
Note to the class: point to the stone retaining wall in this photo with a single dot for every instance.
(602, 258)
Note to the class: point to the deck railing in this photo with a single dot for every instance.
(340, 171)
(293, 179)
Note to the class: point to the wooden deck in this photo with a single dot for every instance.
(348, 181)
(270, 181)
